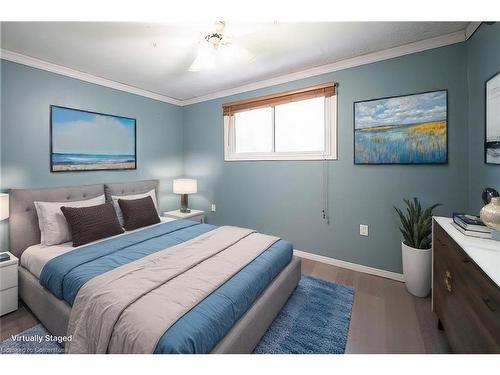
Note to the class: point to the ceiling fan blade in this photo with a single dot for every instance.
(234, 53)
(227, 40)
(242, 29)
(205, 59)
(195, 66)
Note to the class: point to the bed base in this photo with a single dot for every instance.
(54, 313)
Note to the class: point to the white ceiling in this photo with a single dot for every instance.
(156, 57)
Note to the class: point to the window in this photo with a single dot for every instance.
(295, 125)
(253, 131)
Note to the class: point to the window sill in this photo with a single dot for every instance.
(296, 157)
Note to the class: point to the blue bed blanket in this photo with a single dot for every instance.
(200, 329)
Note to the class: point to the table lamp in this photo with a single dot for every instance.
(185, 186)
(4, 214)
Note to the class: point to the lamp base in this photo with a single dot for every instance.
(184, 204)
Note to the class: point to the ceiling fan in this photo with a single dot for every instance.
(217, 48)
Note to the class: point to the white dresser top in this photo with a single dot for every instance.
(485, 253)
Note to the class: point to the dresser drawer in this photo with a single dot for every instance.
(484, 299)
(445, 247)
(464, 298)
(8, 300)
(483, 291)
(8, 276)
(198, 218)
(461, 324)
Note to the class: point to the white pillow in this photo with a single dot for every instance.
(53, 225)
(115, 198)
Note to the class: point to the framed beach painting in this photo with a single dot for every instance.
(409, 129)
(492, 141)
(90, 141)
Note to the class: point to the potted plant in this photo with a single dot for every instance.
(416, 248)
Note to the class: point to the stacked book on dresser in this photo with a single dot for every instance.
(471, 225)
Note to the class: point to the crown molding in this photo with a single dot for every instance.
(386, 54)
(471, 29)
(82, 76)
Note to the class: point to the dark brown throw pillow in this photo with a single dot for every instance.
(92, 223)
(138, 213)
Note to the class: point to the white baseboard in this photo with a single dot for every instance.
(350, 266)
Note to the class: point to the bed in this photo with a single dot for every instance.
(230, 318)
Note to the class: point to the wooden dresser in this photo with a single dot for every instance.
(465, 288)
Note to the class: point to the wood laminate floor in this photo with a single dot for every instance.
(385, 317)
(17, 321)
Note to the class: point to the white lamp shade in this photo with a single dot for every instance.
(185, 186)
(4, 206)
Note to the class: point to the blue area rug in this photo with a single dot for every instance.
(314, 320)
(35, 340)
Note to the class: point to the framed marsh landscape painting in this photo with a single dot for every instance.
(91, 141)
(410, 129)
(492, 102)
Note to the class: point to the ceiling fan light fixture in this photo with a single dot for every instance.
(217, 48)
(214, 39)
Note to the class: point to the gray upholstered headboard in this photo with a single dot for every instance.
(23, 221)
(134, 187)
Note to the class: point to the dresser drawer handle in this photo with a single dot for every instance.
(447, 279)
(442, 243)
(491, 305)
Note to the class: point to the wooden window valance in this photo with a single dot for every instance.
(325, 90)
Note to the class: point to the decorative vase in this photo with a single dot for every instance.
(490, 214)
(489, 193)
(417, 264)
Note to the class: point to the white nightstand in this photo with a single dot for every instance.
(195, 215)
(8, 285)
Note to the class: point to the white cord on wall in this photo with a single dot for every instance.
(325, 193)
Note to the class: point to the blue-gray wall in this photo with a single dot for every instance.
(26, 95)
(483, 61)
(276, 197)
(284, 197)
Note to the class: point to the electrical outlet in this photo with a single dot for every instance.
(213, 207)
(363, 230)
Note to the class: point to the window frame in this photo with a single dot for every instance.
(330, 152)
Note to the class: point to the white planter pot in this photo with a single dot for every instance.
(417, 270)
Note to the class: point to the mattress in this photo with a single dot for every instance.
(201, 328)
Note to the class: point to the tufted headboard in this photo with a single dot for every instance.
(23, 221)
(134, 187)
